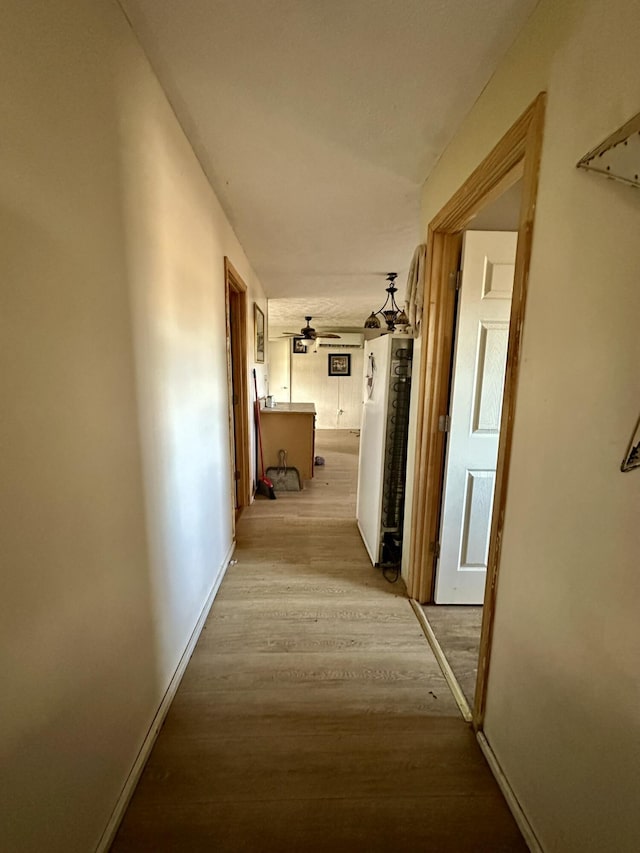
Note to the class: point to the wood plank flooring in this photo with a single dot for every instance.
(313, 716)
(457, 629)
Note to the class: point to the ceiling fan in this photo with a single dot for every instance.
(309, 334)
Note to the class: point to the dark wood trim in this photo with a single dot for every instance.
(238, 376)
(517, 155)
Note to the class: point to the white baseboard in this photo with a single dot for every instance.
(138, 766)
(443, 663)
(507, 791)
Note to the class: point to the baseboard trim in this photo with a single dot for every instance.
(443, 663)
(507, 791)
(138, 766)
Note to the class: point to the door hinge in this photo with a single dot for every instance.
(435, 547)
(444, 423)
(235, 399)
(236, 475)
(455, 280)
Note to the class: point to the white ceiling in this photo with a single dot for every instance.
(317, 121)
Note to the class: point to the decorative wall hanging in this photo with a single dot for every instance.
(299, 346)
(618, 157)
(259, 331)
(632, 459)
(339, 365)
(371, 374)
(414, 294)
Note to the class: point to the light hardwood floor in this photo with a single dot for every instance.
(313, 716)
(457, 629)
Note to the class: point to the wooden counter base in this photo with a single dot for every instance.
(290, 427)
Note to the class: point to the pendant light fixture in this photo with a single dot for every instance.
(391, 313)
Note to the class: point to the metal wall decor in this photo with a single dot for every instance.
(632, 458)
(618, 157)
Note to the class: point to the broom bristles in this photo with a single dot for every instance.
(265, 487)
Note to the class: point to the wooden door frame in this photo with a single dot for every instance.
(237, 358)
(515, 157)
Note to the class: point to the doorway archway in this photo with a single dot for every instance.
(237, 374)
(515, 157)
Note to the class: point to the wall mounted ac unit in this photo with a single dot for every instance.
(347, 340)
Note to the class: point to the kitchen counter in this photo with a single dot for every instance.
(294, 408)
(290, 427)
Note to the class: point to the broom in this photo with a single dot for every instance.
(264, 485)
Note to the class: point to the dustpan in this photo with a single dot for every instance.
(284, 479)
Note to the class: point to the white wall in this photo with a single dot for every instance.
(564, 689)
(280, 370)
(116, 496)
(311, 383)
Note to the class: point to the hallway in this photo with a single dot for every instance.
(313, 716)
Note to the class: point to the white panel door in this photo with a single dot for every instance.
(279, 370)
(350, 393)
(338, 399)
(482, 333)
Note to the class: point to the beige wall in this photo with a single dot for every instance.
(115, 471)
(564, 692)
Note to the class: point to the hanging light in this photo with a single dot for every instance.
(391, 313)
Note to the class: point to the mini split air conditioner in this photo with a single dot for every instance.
(347, 340)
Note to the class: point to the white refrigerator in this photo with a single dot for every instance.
(383, 446)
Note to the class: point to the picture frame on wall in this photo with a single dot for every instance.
(298, 347)
(259, 333)
(339, 364)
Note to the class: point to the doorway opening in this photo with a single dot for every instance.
(516, 158)
(237, 373)
(481, 330)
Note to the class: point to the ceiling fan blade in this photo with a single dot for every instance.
(308, 333)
